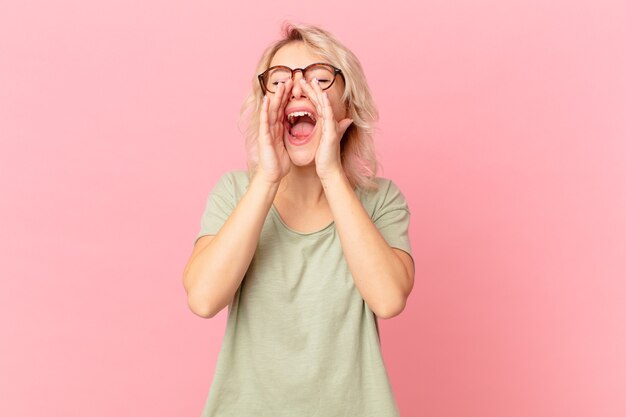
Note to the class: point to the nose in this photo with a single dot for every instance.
(296, 90)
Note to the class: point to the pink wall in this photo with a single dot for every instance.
(503, 122)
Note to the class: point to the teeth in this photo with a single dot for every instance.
(291, 116)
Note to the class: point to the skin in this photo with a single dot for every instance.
(319, 158)
(309, 188)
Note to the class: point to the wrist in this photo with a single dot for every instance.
(259, 182)
(337, 176)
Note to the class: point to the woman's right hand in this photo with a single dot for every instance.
(274, 161)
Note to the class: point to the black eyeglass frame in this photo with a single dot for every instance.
(293, 73)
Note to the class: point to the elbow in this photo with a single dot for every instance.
(200, 307)
(394, 302)
(390, 310)
(197, 303)
(204, 302)
(201, 311)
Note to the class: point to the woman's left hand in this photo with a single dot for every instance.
(328, 156)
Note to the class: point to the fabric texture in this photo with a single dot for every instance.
(300, 340)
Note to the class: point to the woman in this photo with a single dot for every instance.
(307, 248)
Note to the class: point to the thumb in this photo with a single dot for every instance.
(343, 126)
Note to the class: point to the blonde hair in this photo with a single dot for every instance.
(358, 156)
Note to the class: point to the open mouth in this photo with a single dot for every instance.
(300, 126)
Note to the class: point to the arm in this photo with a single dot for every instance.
(383, 275)
(215, 270)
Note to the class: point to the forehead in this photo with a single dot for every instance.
(295, 55)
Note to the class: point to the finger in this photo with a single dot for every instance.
(328, 108)
(285, 98)
(312, 95)
(265, 128)
(274, 104)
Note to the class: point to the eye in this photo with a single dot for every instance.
(278, 76)
(322, 73)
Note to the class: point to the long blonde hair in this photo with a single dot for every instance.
(358, 156)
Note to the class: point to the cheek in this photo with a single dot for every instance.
(339, 111)
(338, 106)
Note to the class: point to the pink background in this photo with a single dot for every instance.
(504, 123)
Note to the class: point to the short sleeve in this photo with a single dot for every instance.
(219, 204)
(391, 216)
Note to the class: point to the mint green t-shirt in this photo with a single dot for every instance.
(300, 340)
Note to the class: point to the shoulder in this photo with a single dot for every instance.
(387, 193)
(385, 188)
(234, 179)
(230, 186)
(235, 175)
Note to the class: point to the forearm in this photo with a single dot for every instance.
(214, 274)
(378, 272)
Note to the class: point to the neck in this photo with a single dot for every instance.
(302, 186)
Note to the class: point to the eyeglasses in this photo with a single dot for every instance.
(325, 74)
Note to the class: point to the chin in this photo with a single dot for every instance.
(298, 161)
(303, 155)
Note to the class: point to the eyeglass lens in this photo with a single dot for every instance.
(323, 73)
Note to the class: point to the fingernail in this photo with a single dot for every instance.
(302, 81)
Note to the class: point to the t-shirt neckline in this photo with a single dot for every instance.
(289, 229)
